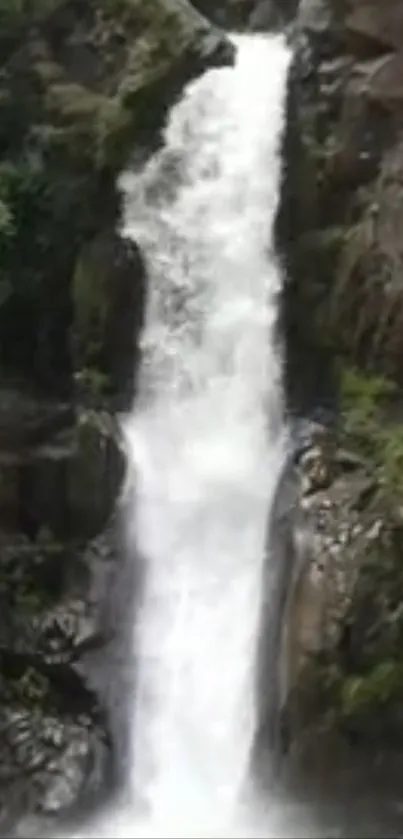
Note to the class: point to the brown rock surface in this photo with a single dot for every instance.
(378, 22)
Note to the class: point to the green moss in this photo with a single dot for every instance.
(358, 685)
(383, 684)
(363, 391)
(73, 102)
(115, 134)
(96, 472)
(361, 398)
(92, 384)
(367, 427)
(90, 297)
(32, 686)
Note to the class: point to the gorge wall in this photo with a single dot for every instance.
(340, 231)
(84, 88)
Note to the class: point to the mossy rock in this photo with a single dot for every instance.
(382, 685)
(108, 294)
(95, 473)
(371, 411)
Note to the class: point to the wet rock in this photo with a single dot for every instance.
(228, 13)
(250, 15)
(384, 81)
(27, 421)
(336, 537)
(371, 24)
(56, 743)
(272, 15)
(96, 472)
(109, 297)
(339, 230)
(342, 698)
(314, 16)
(317, 463)
(46, 760)
(70, 481)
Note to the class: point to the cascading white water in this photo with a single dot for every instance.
(205, 440)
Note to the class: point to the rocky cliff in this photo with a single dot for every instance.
(84, 88)
(343, 185)
(340, 232)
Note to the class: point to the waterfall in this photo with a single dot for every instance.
(205, 443)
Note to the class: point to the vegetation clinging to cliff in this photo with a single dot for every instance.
(370, 404)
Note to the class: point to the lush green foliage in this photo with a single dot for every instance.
(365, 402)
(56, 191)
(79, 84)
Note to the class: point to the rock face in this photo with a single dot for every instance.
(60, 474)
(84, 87)
(60, 467)
(340, 232)
(341, 215)
(109, 298)
(53, 729)
(342, 713)
(381, 26)
(252, 15)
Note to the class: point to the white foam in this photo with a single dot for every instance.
(205, 443)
